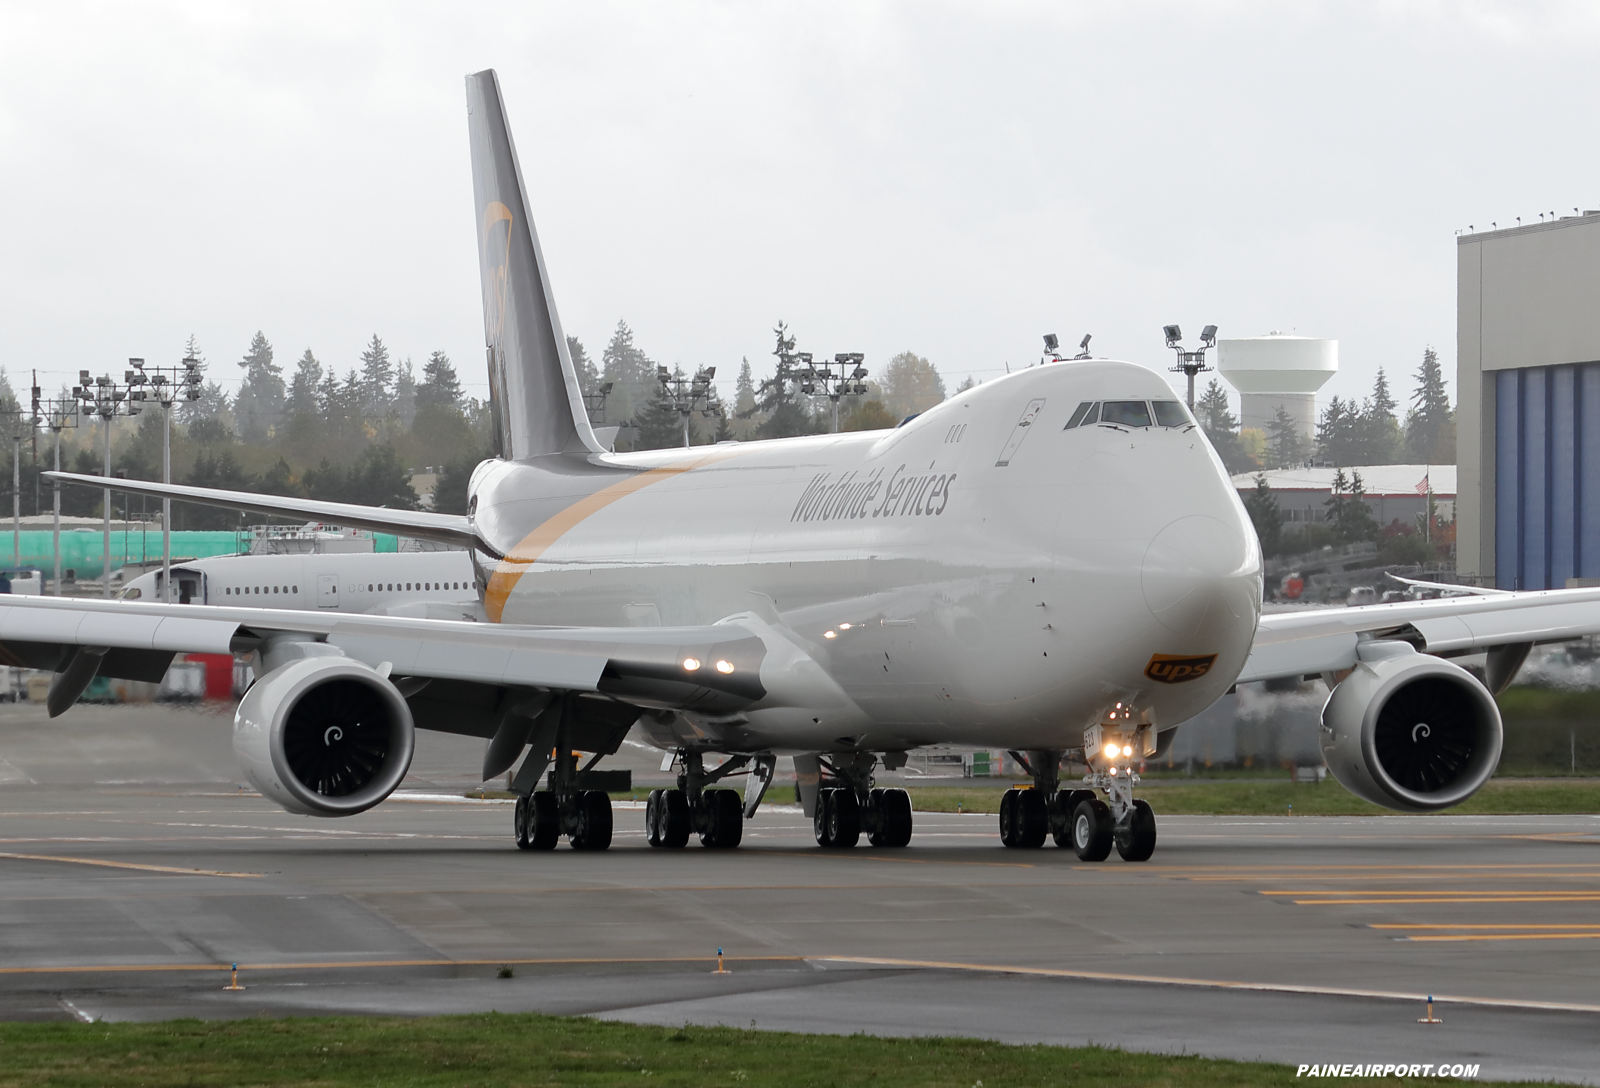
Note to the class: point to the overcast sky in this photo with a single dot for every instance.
(952, 179)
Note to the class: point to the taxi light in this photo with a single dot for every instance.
(690, 664)
(830, 634)
(724, 667)
(1127, 749)
(1113, 772)
(1111, 751)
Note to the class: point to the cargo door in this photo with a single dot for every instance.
(327, 591)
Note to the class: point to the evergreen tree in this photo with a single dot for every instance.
(869, 415)
(1380, 428)
(1348, 513)
(213, 402)
(440, 387)
(1336, 433)
(377, 376)
(1430, 425)
(583, 366)
(405, 393)
(1220, 426)
(1265, 516)
(632, 373)
(305, 388)
(744, 396)
(910, 384)
(966, 383)
(1285, 444)
(259, 404)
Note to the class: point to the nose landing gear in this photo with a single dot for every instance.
(1078, 818)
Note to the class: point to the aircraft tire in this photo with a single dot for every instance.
(674, 817)
(519, 823)
(1030, 820)
(725, 819)
(1008, 818)
(544, 821)
(593, 829)
(1137, 841)
(893, 825)
(844, 818)
(819, 819)
(1062, 806)
(652, 817)
(1091, 830)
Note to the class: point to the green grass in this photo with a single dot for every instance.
(1328, 798)
(526, 1049)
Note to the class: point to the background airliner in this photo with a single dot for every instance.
(1053, 562)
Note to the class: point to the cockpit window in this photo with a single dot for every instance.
(132, 593)
(1170, 413)
(1084, 413)
(1129, 413)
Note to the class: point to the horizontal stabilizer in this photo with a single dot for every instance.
(444, 528)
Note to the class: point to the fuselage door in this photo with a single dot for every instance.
(327, 591)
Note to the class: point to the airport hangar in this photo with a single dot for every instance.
(1528, 413)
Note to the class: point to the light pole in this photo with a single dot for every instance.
(688, 394)
(57, 413)
(1190, 363)
(165, 385)
(18, 419)
(105, 398)
(820, 379)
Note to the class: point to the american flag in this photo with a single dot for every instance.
(1422, 485)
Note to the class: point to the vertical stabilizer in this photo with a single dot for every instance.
(533, 390)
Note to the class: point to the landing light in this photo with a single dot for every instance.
(724, 667)
(830, 634)
(1111, 751)
(1113, 772)
(690, 664)
(1127, 749)
(844, 627)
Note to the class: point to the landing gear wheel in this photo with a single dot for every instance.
(724, 819)
(1023, 821)
(842, 818)
(652, 817)
(543, 821)
(1137, 841)
(672, 814)
(592, 830)
(1091, 830)
(1059, 814)
(819, 819)
(519, 823)
(893, 824)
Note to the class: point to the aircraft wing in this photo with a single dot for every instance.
(641, 666)
(444, 528)
(1324, 640)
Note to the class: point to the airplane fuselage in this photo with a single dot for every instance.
(980, 575)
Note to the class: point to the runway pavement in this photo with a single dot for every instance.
(133, 870)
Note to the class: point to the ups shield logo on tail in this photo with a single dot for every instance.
(1177, 668)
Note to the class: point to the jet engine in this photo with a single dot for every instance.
(1409, 731)
(324, 736)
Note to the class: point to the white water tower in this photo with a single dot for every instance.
(1277, 371)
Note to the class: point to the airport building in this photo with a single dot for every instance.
(1391, 491)
(1528, 412)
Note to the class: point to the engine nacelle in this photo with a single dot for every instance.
(1409, 731)
(324, 736)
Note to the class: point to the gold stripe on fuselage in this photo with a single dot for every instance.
(509, 571)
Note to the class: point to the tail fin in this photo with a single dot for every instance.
(533, 390)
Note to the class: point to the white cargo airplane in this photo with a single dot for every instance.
(1053, 562)
(431, 584)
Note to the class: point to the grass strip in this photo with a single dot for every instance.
(526, 1049)
(1327, 798)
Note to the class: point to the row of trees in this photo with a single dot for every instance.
(360, 437)
(1369, 432)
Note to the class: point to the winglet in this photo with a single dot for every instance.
(533, 389)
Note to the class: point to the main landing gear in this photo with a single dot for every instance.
(716, 815)
(583, 816)
(852, 805)
(1078, 817)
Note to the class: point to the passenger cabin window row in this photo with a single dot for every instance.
(1130, 413)
(229, 591)
(407, 587)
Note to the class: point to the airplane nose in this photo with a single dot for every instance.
(1198, 573)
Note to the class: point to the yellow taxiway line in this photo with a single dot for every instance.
(171, 870)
